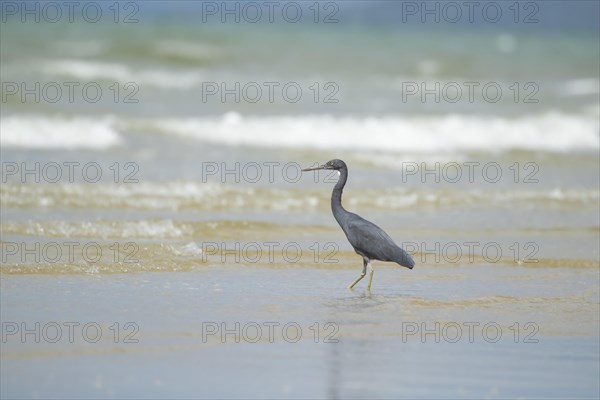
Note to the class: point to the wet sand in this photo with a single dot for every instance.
(297, 332)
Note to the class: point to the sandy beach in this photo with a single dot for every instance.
(460, 332)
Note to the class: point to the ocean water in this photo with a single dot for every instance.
(151, 176)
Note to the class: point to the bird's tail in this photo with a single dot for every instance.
(404, 259)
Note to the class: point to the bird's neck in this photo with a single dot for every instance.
(336, 196)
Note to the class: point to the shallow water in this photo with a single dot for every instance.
(437, 332)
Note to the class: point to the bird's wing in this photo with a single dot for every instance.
(372, 241)
(365, 235)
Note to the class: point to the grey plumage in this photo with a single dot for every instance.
(368, 240)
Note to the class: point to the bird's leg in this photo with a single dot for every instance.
(362, 274)
(370, 268)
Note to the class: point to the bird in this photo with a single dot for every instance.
(369, 241)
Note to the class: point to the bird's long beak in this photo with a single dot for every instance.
(314, 169)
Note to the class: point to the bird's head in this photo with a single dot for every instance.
(330, 165)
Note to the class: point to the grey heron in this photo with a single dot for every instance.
(369, 241)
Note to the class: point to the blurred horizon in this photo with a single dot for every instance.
(187, 77)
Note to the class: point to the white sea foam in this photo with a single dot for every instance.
(91, 70)
(181, 195)
(451, 135)
(105, 229)
(190, 249)
(55, 132)
(552, 132)
(581, 87)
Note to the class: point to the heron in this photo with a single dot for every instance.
(369, 241)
